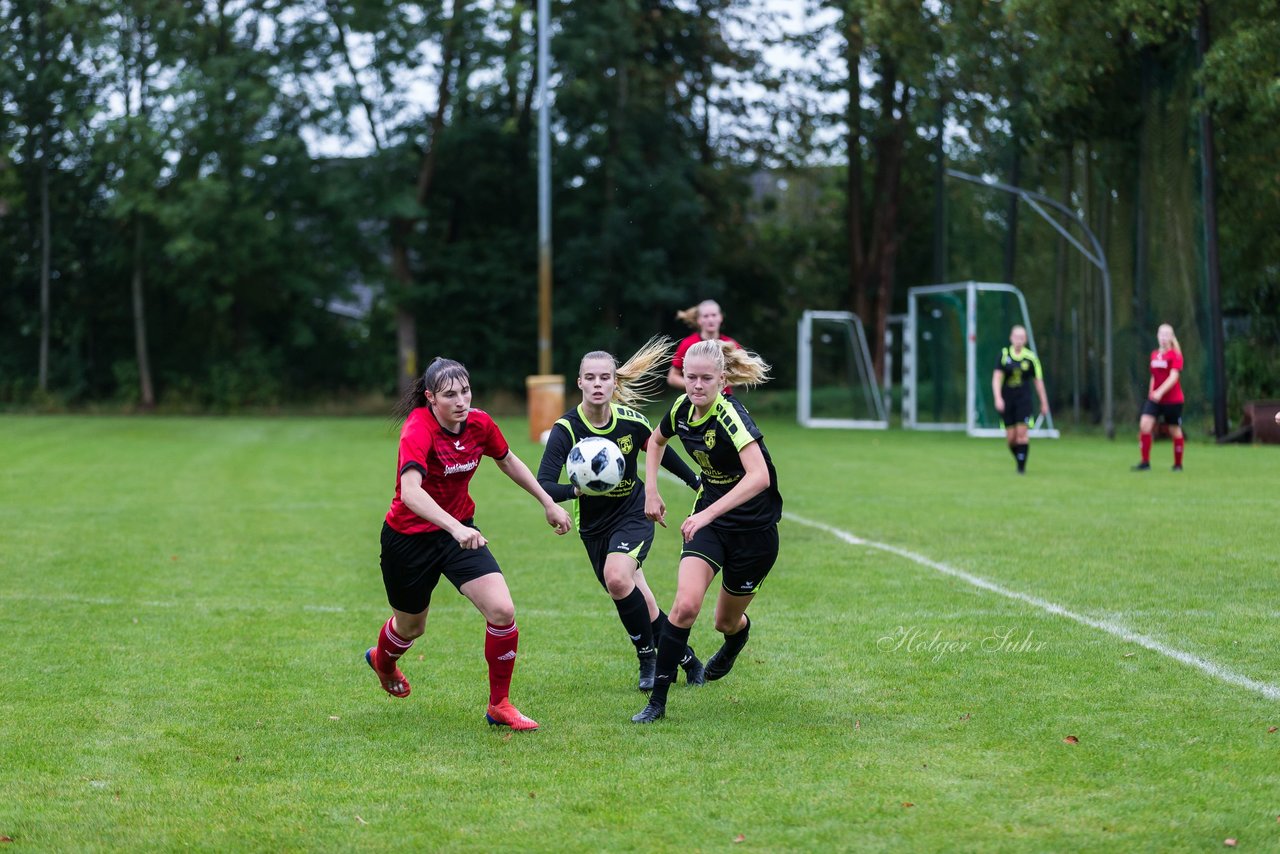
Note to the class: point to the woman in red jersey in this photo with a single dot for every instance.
(1164, 398)
(429, 531)
(705, 318)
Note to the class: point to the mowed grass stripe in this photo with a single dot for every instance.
(1212, 668)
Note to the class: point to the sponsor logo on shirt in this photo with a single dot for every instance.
(459, 468)
(1159, 363)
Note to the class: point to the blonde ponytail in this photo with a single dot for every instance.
(641, 376)
(740, 367)
(637, 380)
(689, 317)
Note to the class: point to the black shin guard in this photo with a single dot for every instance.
(670, 650)
(634, 613)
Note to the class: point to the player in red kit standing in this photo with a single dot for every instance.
(706, 319)
(1164, 398)
(429, 532)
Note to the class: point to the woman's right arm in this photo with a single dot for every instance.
(654, 509)
(997, 380)
(675, 378)
(553, 457)
(420, 502)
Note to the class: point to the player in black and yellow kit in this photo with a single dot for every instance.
(613, 526)
(1016, 371)
(733, 530)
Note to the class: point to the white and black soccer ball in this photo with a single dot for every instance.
(595, 465)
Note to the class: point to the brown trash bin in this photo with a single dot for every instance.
(546, 402)
(1262, 415)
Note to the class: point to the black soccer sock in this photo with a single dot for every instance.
(1013, 451)
(659, 623)
(1020, 454)
(634, 613)
(670, 650)
(735, 642)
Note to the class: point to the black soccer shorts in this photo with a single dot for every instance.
(1016, 411)
(413, 563)
(631, 537)
(744, 557)
(1170, 413)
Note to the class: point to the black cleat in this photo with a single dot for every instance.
(694, 672)
(1177, 467)
(721, 662)
(648, 669)
(650, 713)
(1141, 467)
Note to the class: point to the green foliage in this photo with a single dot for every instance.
(194, 146)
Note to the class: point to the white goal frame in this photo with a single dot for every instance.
(910, 368)
(804, 373)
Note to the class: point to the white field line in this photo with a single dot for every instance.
(1212, 668)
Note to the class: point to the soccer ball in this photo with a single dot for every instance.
(595, 465)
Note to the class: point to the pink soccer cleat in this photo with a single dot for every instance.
(394, 682)
(505, 714)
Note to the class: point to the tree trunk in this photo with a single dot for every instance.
(46, 256)
(147, 397)
(857, 274)
(402, 227)
(406, 326)
(887, 239)
(45, 260)
(882, 256)
(1057, 348)
(1011, 214)
(146, 391)
(940, 196)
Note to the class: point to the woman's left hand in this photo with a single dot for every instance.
(692, 525)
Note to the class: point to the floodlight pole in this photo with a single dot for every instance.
(544, 190)
(1097, 257)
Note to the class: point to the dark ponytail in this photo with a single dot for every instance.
(439, 373)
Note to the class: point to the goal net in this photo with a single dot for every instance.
(951, 338)
(835, 381)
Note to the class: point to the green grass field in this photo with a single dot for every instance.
(184, 604)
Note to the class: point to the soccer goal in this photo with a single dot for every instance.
(835, 381)
(951, 338)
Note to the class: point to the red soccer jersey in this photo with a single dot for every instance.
(1161, 365)
(447, 462)
(683, 347)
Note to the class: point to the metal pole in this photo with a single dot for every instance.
(1098, 258)
(1208, 190)
(544, 191)
(1075, 367)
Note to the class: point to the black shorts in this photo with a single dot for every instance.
(1170, 413)
(631, 537)
(745, 556)
(1016, 411)
(413, 563)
